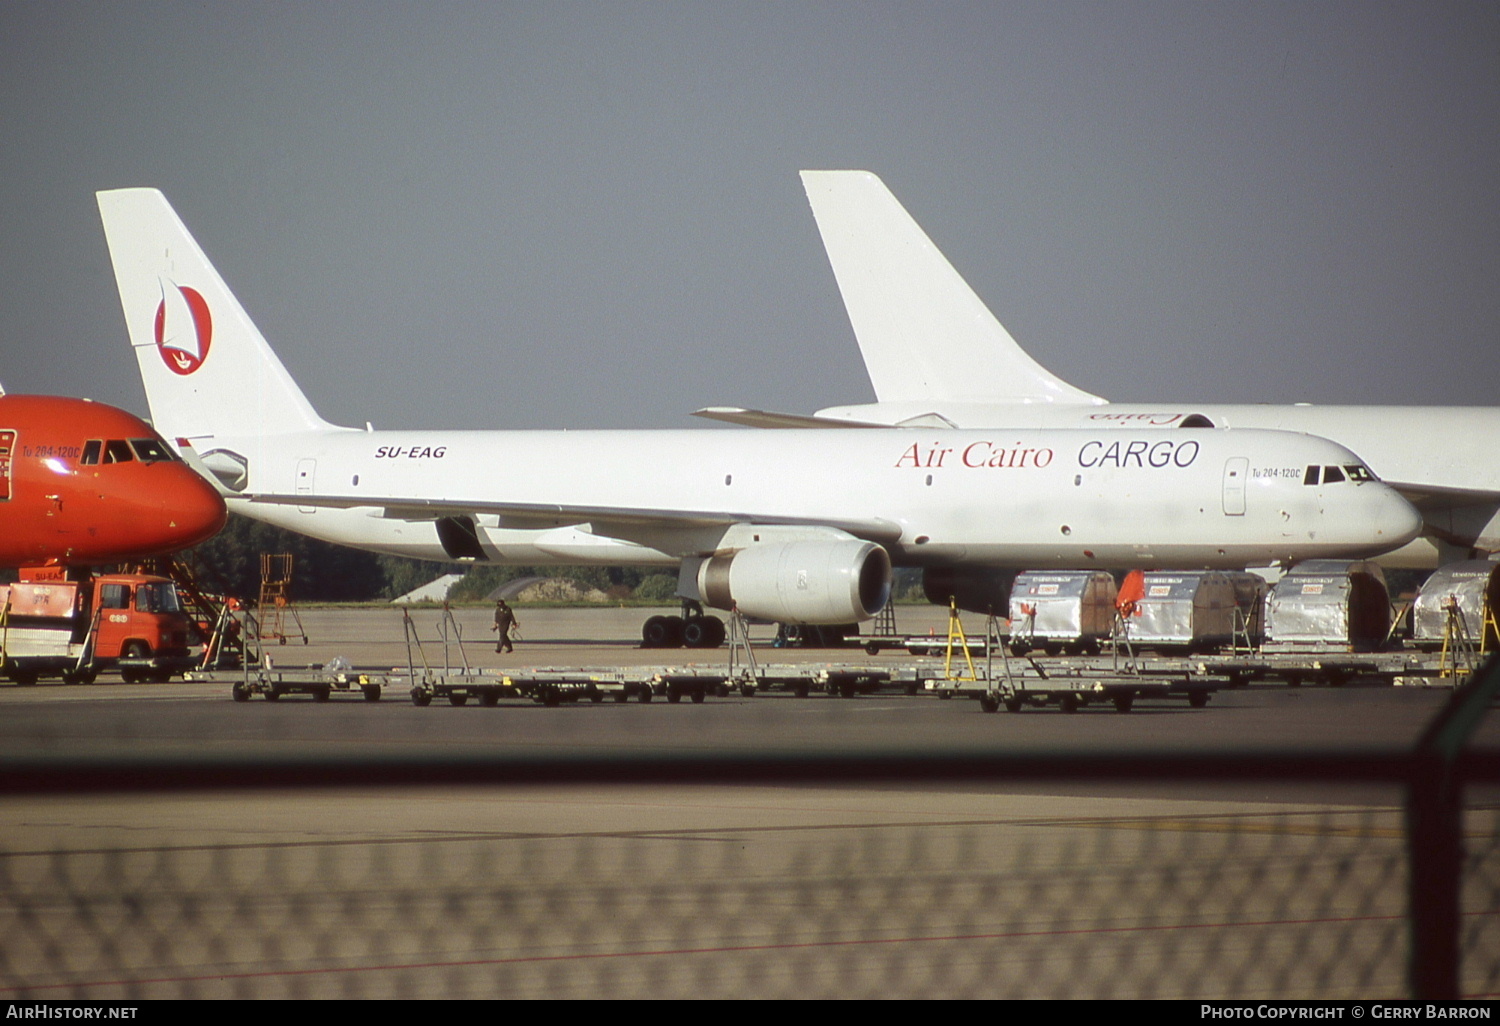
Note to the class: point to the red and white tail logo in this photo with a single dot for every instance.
(184, 328)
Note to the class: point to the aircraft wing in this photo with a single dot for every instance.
(608, 520)
(770, 419)
(1426, 495)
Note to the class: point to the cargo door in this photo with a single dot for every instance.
(306, 470)
(1235, 471)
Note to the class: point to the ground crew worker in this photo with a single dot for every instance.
(505, 619)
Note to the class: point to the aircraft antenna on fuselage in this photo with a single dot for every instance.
(920, 327)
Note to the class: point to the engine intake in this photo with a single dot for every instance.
(812, 582)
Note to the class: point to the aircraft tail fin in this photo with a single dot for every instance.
(207, 369)
(923, 332)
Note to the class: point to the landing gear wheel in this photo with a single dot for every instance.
(654, 632)
(662, 632)
(703, 632)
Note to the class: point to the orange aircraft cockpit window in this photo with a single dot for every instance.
(91, 450)
(7, 447)
(117, 450)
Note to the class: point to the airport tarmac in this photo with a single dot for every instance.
(113, 719)
(967, 888)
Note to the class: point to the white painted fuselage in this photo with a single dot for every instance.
(1111, 498)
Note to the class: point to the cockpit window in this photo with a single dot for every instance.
(117, 450)
(91, 450)
(151, 450)
(1332, 475)
(1358, 473)
(1312, 476)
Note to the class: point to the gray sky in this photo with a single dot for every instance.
(588, 214)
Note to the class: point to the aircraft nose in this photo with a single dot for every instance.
(195, 512)
(1396, 520)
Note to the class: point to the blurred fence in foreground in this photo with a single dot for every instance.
(1253, 904)
(1348, 901)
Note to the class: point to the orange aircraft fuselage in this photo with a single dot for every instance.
(83, 483)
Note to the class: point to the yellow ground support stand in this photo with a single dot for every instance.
(1458, 657)
(956, 633)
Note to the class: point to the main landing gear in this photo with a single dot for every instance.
(690, 630)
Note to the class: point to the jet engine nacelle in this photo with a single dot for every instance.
(813, 582)
(976, 589)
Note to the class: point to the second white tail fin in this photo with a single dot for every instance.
(923, 332)
(207, 369)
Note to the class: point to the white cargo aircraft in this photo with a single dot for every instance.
(937, 357)
(800, 527)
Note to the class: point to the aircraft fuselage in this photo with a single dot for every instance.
(1003, 498)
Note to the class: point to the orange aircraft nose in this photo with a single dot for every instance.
(198, 511)
(190, 511)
